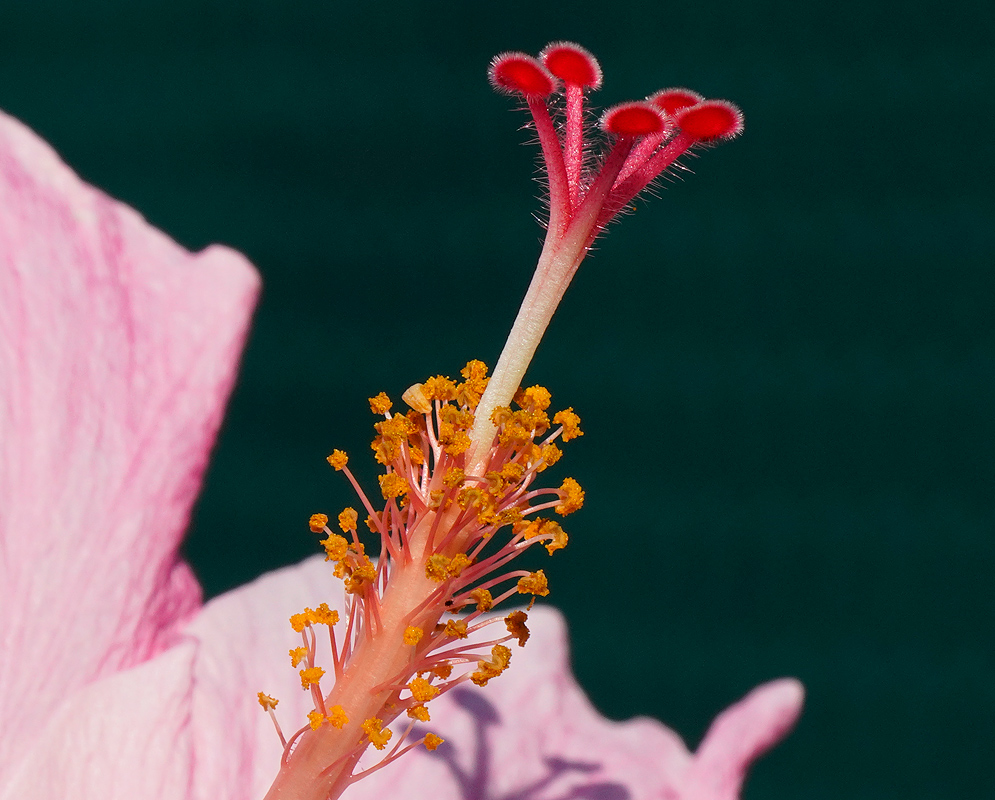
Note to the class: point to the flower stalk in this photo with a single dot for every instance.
(461, 494)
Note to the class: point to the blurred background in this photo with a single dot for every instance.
(784, 364)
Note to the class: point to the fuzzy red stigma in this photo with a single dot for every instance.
(710, 120)
(572, 64)
(633, 119)
(670, 100)
(520, 73)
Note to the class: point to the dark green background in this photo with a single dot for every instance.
(784, 364)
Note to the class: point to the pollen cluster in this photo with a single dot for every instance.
(449, 528)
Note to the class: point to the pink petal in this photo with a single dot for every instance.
(195, 727)
(122, 738)
(739, 736)
(532, 727)
(117, 353)
(539, 736)
(532, 732)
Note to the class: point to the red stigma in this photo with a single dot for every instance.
(587, 188)
(670, 100)
(633, 119)
(711, 119)
(572, 64)
(520, 73)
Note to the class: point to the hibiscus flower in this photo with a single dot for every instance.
(118, 350)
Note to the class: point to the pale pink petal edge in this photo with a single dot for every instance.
(740, 735)
(118, 350)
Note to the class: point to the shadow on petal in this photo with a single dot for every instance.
(475, 782)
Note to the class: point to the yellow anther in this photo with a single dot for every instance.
(378, 735)
(432, 741)
(421, 690)
(393, 432)
(509, 516)
(335, 546)
(532, 420)
(485, 602)
(361, 576)
(315, 718)
(435, 498)
(550, 454)
(458, 417)
(442, 671)
(469, 392)
(348, 519)
(439, 388)
(559, 536)
(471, 496)
(514, 434)
(456, 628)
(380, 404)
(500, 658)
(337, 717)
(532, 455)
(317, 522)
(474, 370)
(299, 621)
(571, 497)
(534, 583)
(515, 623)
(452, 429)
(387, 449)
(268, 703)
(512, 472)
(338, 459)
(453, 477)
(457, 564)
(297, 655)
(456, 444)
(437, 568)
(501, 415)
(398, 427)
(323, 615)
(367, 570)
(486, 516)
(371, 524)
(535, 398)
(412, 635)
(416, 455)
(392, 485)
(495, 482)
(570, 422)
(454, 566)
(419, 713)
(311, 675)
